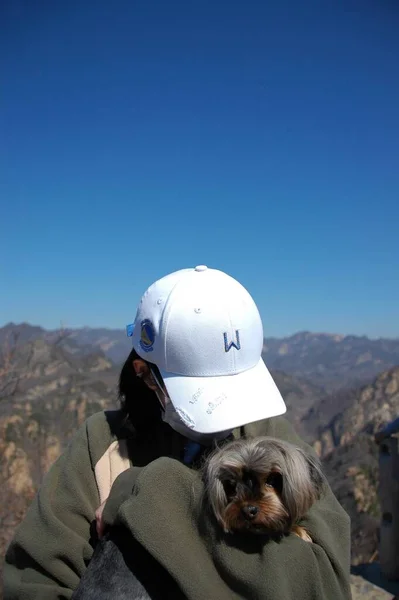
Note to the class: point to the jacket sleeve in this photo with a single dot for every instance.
(51, 547)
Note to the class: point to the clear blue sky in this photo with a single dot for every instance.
(261, 138)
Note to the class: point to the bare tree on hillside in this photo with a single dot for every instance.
(10, 373)
(15, 367)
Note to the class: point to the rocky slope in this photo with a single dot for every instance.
(350, 456)
(300, 395)
(364, 590)
(352, 471)
(365, 411)
(56, 392)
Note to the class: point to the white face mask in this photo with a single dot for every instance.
(171, 417)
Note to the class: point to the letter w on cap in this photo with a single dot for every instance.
(236, 344)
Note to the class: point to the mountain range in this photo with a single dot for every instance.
(330, 362)
(333, 362)
(350, 456)
(54, 380)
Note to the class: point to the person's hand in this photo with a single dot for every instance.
(99, 520)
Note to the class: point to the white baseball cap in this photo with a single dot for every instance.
(203, 331)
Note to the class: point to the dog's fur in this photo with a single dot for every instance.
(262, 485)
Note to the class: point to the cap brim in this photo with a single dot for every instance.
(213, 404)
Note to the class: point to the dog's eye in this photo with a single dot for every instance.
(229, 487)
(275, 481)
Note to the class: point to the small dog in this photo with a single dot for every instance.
(262, 485)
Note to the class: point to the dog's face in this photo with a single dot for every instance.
(253, 501)
(261, 485)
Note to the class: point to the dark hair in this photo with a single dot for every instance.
(138, 402)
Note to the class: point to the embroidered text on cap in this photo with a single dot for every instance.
(236, 344)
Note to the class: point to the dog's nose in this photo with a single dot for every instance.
(249, 511)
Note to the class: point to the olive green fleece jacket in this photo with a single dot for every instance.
(51, 548)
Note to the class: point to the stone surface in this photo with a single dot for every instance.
(364, 590)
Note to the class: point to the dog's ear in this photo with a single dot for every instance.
(215, 496)
(303, 482)
(316, 473)
(219, 501)
(214, 492)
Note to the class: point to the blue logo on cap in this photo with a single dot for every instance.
(129, 329)
(147, 337)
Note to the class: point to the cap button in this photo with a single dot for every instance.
(201, 268)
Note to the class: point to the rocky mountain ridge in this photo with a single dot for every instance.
(368, 409)
(332, 361)
(54, 393)
(329, 361)
(60, 383)
(350, 455)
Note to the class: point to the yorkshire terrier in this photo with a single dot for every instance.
(263, 486)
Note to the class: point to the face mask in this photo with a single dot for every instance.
(171, 417)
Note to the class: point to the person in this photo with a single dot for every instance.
(194, 378)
